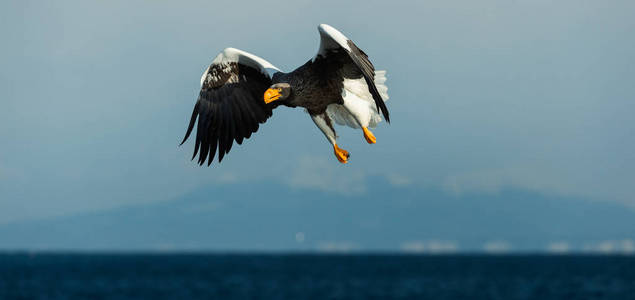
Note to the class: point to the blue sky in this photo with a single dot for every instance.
(485, 96)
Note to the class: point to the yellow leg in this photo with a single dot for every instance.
(369, 136)
(341, 154)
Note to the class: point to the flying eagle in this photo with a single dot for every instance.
(238, 93)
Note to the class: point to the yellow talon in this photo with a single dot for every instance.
(341, 154)
(370, 137)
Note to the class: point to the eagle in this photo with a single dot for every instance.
(239, 91)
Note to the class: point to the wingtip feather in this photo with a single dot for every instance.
(191, 125)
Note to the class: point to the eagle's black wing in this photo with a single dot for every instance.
(230, 105)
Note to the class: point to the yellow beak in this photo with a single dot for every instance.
(271, 95)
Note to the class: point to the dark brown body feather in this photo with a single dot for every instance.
(317, 84)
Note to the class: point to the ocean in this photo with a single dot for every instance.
(314, 276)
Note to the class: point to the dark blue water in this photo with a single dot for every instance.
(201, 276)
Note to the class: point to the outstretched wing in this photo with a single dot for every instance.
(230, 105)
(331, 40)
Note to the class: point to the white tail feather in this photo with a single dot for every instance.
(380, 79)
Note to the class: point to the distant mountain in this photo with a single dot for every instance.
(269, 217)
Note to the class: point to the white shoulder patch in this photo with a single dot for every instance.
(242, 57)
(204, 76)
(331, 38)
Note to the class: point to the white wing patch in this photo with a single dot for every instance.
(331, 38)
(204, 76)
(359, 108)
(242, 57)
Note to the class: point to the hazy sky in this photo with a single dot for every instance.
(484, 95)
